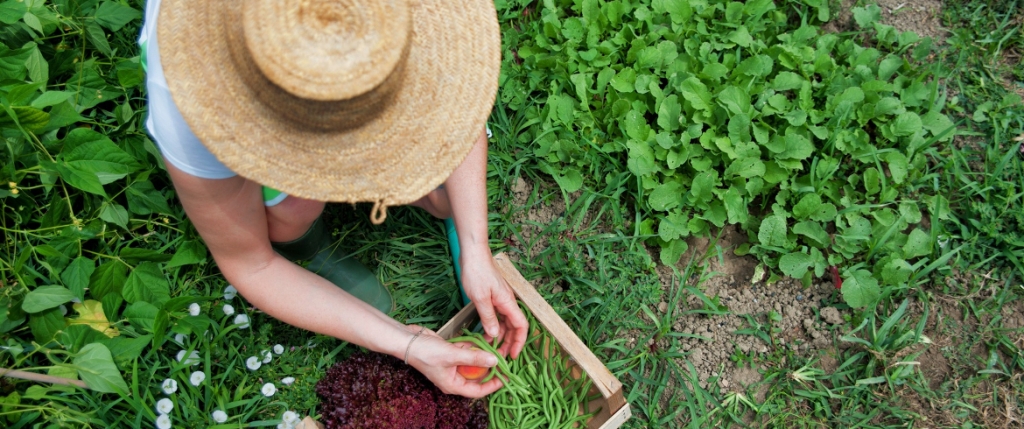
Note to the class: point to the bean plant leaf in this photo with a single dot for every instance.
(46, 297)
(860, 289)
(96, 367)
(189, 252)
(146, 283)
(76, 276)
(113, 15)
(109, 277)
(90, 313)
(46, 324)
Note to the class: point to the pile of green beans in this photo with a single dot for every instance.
(538, 392)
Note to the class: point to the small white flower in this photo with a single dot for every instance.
(193, 309)
(290, 417)
(253, 363)
(287, 381)
(193, 358)
(230, 292)
(163, 421)
(228, 309)
(220, 416)
(267, 357)
(179, 338)
(242, 320)
(169, 386)
(269, 389)
(278, 349)
(164, 406)
(197, 378)
(63, 310)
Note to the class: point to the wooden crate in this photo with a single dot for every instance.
(614, 409)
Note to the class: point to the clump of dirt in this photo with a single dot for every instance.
(533, 220)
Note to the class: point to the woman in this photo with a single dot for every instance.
(332, 101)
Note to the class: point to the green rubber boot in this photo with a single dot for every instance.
(343, 270)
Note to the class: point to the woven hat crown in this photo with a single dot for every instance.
(327, 64)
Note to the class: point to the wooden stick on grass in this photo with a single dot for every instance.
(31, 376)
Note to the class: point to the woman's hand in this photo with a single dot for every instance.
(495, 302)
(437, 359)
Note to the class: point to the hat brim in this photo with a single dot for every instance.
(448, 89)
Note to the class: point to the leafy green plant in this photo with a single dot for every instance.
(812, 143)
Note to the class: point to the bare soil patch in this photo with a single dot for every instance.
(920, 16)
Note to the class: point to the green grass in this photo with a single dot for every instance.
(594, 259)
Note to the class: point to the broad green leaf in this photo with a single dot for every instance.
(98, 38)
(109, 277)
(896, 272)
(12, 63)
(666, 196)
(797, 147)
(96, 367)
(746, 168)
(906, 124)
(671, 252)
(141, 315)
(814, 232)
(918, 244)
(756, 66)
(113, 15)
(668, 113)
(570, 181)
(29, 118)
(741, 36)
(678, 10)
(891, 64)
(12, 11)
(46, 324)
(739, 128)
(50, 98)
(38, 68)
(104, 159)
(702, 185)
(795, 264)
(90, 313)
(735, 206)
(85, 180)
(785, 81)
(672, 227)
(76, 276)
(146, 283)
(910, 212)
(125, 350)
(872, 181)
(641, 158)
(772, 231)
(889, 106)
(635, 126)
(45, 298)
(866, 16)
(898, 166)
(696, 93)
(624, 80)
(134, 255)
(144, 199)
(860, 289)
(734, 99)
(937, 124)
(115, 214)
(189, 252)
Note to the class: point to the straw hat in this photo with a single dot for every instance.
(334, 100)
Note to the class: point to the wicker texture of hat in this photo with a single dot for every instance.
(335, 100)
